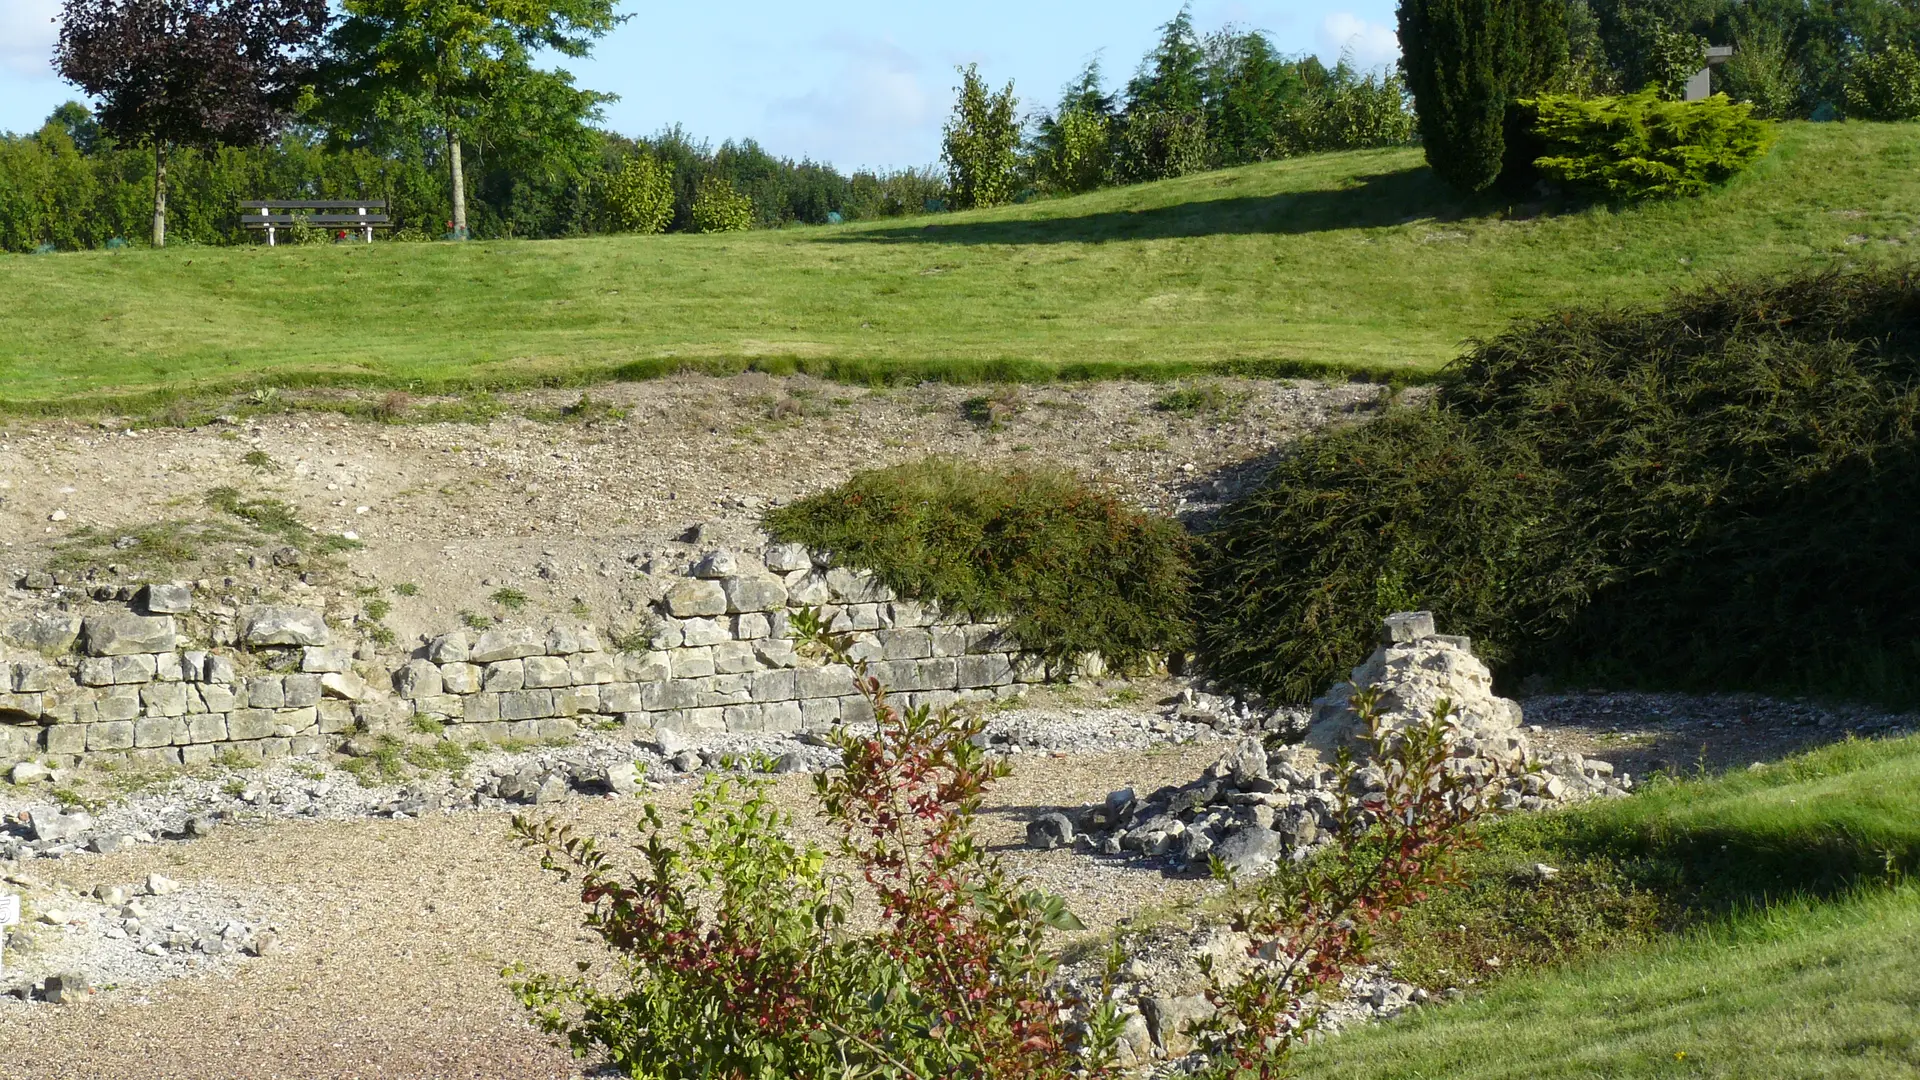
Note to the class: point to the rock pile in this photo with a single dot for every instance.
(1256, 806)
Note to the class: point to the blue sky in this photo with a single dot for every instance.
(856, 83)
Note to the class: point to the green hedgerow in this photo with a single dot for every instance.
(1639, 146)
(1724, 493)
(1075, 569)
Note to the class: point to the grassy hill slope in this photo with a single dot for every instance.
(1357, 260)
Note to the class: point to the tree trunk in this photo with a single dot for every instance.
(459, 186)
(159, 194)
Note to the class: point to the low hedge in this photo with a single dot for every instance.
(1721, 493)
(1639, 146)
(1076, 570)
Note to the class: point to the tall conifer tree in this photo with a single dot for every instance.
(1467, 62)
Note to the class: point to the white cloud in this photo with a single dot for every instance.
(27, 36)
(1369, 44)
(876, 109)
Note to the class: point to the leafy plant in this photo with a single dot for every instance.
(1073, 569)
(736, 956)
(510, 598)
(1884, 84)
(1204, 398)
(981, 143)
(640, 196)
(720, 208)
(1641, 147)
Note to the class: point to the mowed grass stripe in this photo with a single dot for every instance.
(1357, 261)
(1829, 991)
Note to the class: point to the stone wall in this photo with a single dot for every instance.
(267, 681)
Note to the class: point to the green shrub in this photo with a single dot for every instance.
(1159, 144)
(1884, 84)
(718, 207)
(1082, 150)
(1639, 146)
(1722, 493)
(640, 196)
(1075, 569)
(981, 143)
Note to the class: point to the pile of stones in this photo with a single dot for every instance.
(1255, 806)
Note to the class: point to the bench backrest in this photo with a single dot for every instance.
(314, 204)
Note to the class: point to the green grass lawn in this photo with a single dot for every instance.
(1801, 956)
(1803, 990)
(1341, 261)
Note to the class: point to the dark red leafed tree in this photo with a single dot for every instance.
(190, 72)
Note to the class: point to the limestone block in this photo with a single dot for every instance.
(155, 731)
(250, 751)
(742, 719)
(907, 615)
(725, 690)
(906, 644)
(158, 757)
(667, 635)
(948, 641)
(167, 667)
(734, 657)
(122, 633)
(865, 647)
(754, 592)
(515, 643)
(856, 586)
(526, 704)
(251, 723)
(266, 693)
(593, 669)
(696, 598)
(320, 661)
(577, 700)
(96, 671)
(457, 677)
(193, 666)
(198, 754)
(546, 672)
(215, 698)
(135, 669)
(117, 705)
(482, 708)
(276, 749)
(450, 649)
(302, 691)
(115, 735)
(774, 686)
(697, 632)
(442, 705)
(67, 739)
(17, 708)
(809, 590)
(787, 558)
(752, 626)
(782, 716)
(830, 681)
(558, 727)
(977, 671)
(164, 699)
(210, 728)
(343, 685)
(677, 694)
(308, 746)
(564, 641)
(332, 717)
(167, 599)
(289, 722)
(219, 670)
(692, 663)
(522, 730)
(776, 654)
(647, 666)
(275, 625)
(820, 713)
(31, 677)
(622, 697)
(51, 632)
(503, 676)
(692, 721)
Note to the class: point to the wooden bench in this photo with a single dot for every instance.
(366, 215)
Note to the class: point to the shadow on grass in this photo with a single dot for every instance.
(1376, 201)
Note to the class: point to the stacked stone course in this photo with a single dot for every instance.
(721, 657)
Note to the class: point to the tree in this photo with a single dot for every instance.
(1169, 78)
(1072, 147)
(982, 143)
(640, 196)
(465, 67)
(189, 72)
(1467, 63)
